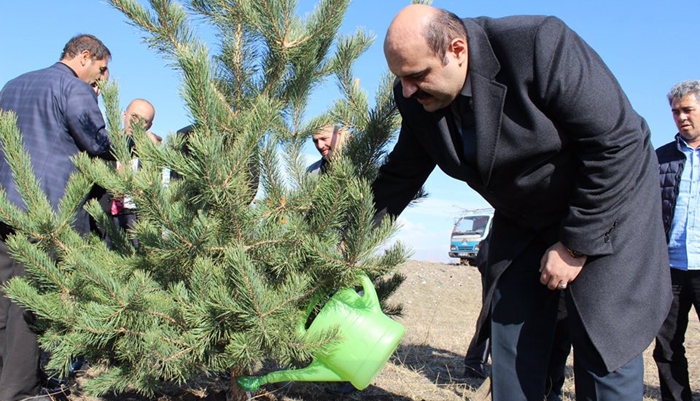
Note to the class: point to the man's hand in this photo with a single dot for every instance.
(559, 268)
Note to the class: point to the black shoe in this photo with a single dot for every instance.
(51, 382)
(343, 388)
(53, 394)
(474, 372)
(78, 366)
(553, 397)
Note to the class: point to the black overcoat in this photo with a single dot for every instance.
(561, 156)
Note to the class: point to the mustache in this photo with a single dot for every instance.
(419, 94)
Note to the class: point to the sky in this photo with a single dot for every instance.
(649, 45)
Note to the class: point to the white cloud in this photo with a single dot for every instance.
(426, 232)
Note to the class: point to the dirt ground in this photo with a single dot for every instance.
(441, 304)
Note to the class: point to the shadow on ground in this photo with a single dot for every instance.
(437, 365)
(441, 367)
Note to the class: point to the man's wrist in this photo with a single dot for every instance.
(574, 254)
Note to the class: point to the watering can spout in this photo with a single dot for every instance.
(315, 372)
(367, 338)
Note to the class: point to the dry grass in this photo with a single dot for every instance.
(441, 304)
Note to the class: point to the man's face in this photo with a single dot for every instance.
(92, 70)
(424, 76)
(97, 70)
(96, 87)
(325, 141)
(686, 115)
(138, 111)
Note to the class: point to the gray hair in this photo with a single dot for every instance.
(682, 89)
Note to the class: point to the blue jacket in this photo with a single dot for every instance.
(671, 162)
(58, 116)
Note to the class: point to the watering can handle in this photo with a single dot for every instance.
(370, 298)
(370, 294)
(301, 326)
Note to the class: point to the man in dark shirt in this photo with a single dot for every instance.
(58, 116)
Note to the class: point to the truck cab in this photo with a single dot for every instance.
(469, 230)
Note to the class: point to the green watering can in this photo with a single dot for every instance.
(367, 338)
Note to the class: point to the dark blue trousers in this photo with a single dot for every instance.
(19, 349)
(524, 316)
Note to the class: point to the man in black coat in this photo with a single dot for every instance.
(529, 116)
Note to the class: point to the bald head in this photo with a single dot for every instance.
(423, 24)
(426, 48)
(407, 27)
(139, 109)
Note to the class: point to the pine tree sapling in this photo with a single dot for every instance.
(230, 255)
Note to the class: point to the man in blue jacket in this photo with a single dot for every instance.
(679, 168)
(58, 116)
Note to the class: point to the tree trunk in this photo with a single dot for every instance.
(235, 392)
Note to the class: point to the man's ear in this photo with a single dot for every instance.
(84, 57)
(458, 47)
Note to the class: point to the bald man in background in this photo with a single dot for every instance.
(122, 208)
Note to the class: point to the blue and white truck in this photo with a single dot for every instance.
(470, 228)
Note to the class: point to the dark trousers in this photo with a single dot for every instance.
(126, 220)
(669, 352)
(19, 349)
(561, 347)
(478, 354)
(524, 315)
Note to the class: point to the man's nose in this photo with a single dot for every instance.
(408, 88)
